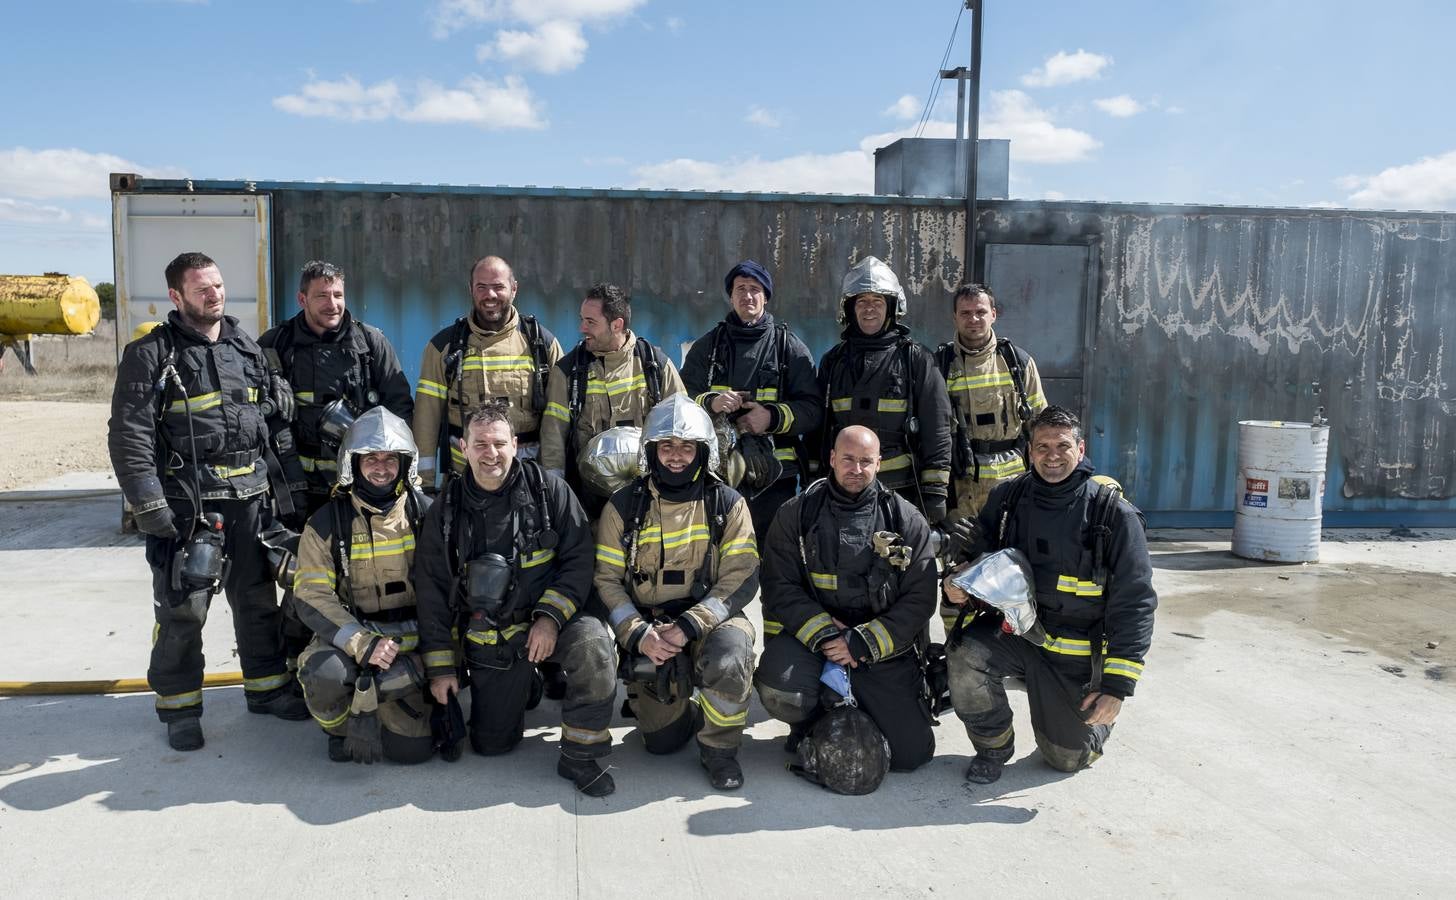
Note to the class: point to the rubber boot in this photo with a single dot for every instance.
(724, 773)
(586, 775)
(281, 703)
(185, 734)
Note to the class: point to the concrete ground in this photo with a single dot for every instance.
(1292, 736)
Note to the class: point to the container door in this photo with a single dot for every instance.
(1045, 294)
(149, 230)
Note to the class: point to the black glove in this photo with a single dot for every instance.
(282, 395)
(157, 522)
(934, 509)
(963, 537)
(362, 739)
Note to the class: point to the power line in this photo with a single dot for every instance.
(944, 61)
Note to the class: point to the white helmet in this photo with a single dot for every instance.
(679, 417)
(871, 276)
(377, 430)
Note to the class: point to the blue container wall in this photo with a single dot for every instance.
(1204, 316)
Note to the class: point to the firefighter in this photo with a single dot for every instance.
(505, 557)
(191, 416)
(612, 378)
(849, 582)
(362, 674)
(327, 355)
(494, 352)
(878, 377)
(676, 565)
(1094, 599)
(994, 391)
(755, 372)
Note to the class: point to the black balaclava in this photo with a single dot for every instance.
(679, 486)
(381, 498)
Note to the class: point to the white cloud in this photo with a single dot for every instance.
(1034, 137)
(757, 115)
(39, 174)
(1065, 68)
(1427, 183)
(496, 106)
(553, 47)
(1122, 106)
(675, 24)
(450, 16)
(907, 107)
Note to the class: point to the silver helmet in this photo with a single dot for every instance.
(377, 431)
(872, 276)
(679, 417)
(608, 462)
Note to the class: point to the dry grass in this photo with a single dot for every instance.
(81, 368)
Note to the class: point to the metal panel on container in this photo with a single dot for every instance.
(1042, 306)
(152, 229)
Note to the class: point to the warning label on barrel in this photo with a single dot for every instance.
(1256, 500)
(1257, 485)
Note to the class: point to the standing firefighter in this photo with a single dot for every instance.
(611, 379)
(506, 558)
(189, 440)
(362, 677)
(757, 373)
(848, 590)
(1093, 584)
(494, 353)
(676, 564)
(878, 377)
(338, 367)
(994, 391)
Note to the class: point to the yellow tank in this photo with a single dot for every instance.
(47, 304)
(144, 329)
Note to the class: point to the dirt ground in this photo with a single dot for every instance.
(40, 439)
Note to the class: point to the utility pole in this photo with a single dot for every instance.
(967, 145)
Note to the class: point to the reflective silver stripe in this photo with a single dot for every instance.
(621, 614)
(341, 637)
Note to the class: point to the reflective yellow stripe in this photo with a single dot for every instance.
(1037, 402)
(179, 701)
(720, 388)
(538, 558)
(324, 577)
(882, 637)
(303, 396)
(492, 636)
(557, 411)
(786, 418)
(895, 463)
(317, 464)
(935, 476)
(363, 548)
(816, 623)
(1071, 584)
(231, 471)
(786, 454)
(268, 682)
(1124, 667)
(611, 556)
(252, 395)
(771, 628)
(434, 389)
(1005, 469)
(840, 404)
(584, 735)
(210, 400)
(434, 659)
(739, 548)
(498, 364)
(617, 387)
(683, 537)
(560, 601)
(722, 720)
(824, 581)
(970, 383)
(1067, 646)
(335, 722)
(889, 405)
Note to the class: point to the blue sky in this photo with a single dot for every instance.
(1259, 103)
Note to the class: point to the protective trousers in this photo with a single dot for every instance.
(722, 671)
(500, 687)
(175, 672)
(890, 691)
(766, 505)
(327, 674)
(1054, 690)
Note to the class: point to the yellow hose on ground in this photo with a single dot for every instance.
(113, 686)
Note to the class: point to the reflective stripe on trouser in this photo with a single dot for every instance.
(970, 495)
(978, 665)
(723, 676)
(175, 670)
(890, 692)
(327, 675)
(500, 679)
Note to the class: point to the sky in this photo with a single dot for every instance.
(1243, 102)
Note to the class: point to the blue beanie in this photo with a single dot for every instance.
(753, 270)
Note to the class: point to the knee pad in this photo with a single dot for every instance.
(496, 746)
(191, 611)
(1065, 759)
(326, 674)
(729, 673)
(403, 679)
(787, 706)
(405, 750)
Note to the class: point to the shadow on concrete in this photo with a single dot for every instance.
(1212, 560)
(92, 521)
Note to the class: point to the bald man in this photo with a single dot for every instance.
(858, 592)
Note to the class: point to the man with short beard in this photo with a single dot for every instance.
(493, 353)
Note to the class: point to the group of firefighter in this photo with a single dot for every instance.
(531, 526)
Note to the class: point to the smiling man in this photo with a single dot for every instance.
(1094, 596)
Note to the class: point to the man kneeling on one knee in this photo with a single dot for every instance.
(1094, 598)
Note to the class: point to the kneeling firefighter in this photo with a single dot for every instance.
(362, 676)
(505, 561)
(676, 565)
